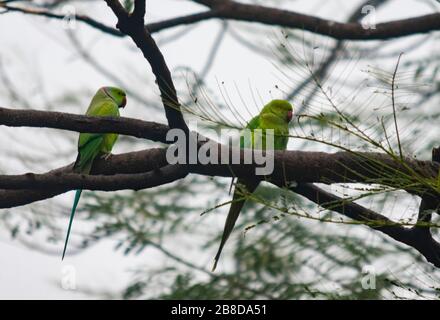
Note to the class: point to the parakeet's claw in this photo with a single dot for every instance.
(292, 184)
(106, 156)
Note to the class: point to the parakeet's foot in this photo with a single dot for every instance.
(292, 184)
(106, 156)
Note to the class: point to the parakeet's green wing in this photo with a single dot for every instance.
(88, 148)
(253, 124)
(90, 145)
(281, 131)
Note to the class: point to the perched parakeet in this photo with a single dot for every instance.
(275, 115)
(105, 103)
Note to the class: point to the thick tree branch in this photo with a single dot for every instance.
(149, 168)
(289, 165)
(133, 25)
(299, 166)
(152, 27)
(337, 30)
(183, 20)
(225, 9)
(66, 121)
(155, 178)
(128, 163)
(48, 14)
(71, 181)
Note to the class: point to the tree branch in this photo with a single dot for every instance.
(414, 237)
(150, 168)
(288, 165)
(48, 14)
(183, 20)
(126, 172)
(337, 30)
(299, 166)
(225, 9)
(71, 181)
(133, 25)
(133, 127)
(152, 27)
(128, 163)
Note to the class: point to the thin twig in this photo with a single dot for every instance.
(394, 104)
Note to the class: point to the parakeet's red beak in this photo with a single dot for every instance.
(289, 115)
(124, 102)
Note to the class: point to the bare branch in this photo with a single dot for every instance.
(337, 30)
(128, 163)
(149, 168)
(289, 165)
(126, 172)
(414, 237)
(299, 166)
(152, 27)
(66, 121)
(225, 9)
(48, 14)
(178, 21)
(71, 181)
(133, 25)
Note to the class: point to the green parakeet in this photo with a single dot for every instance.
(105, 103)
(275, 115)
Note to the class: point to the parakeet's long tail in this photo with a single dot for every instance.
(238, 201)
(83, 164)
(72, 214)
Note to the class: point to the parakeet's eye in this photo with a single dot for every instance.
(124, 102)
(289, 115)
